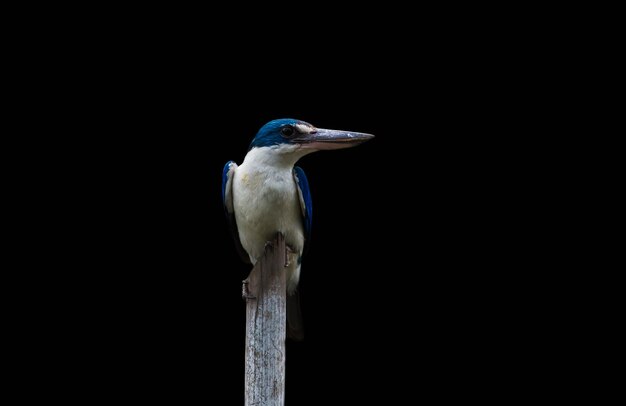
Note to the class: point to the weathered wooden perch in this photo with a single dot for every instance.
(265, 293)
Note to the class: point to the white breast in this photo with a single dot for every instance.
(265, 201)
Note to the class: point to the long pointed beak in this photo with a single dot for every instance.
(322, 138)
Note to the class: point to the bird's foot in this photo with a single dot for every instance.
(288, 250)
(245, 293)
(268, 244)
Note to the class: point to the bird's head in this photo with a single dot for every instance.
(288, 135)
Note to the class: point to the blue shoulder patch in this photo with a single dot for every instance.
(305, 202)
(225, 181)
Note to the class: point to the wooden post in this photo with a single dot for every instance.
(265, 327)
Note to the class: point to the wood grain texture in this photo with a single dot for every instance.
(265, 328)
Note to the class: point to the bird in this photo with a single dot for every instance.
(268, 194)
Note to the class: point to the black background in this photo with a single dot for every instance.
(396, 285)
(414, 261)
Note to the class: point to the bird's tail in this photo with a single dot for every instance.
(294, 317)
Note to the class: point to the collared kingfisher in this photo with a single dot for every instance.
(267, 194)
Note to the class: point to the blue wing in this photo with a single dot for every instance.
(305, 203)
(227, 175)
(227, 199)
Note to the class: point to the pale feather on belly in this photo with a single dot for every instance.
(257, 204)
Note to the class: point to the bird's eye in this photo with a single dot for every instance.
(288, 131)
